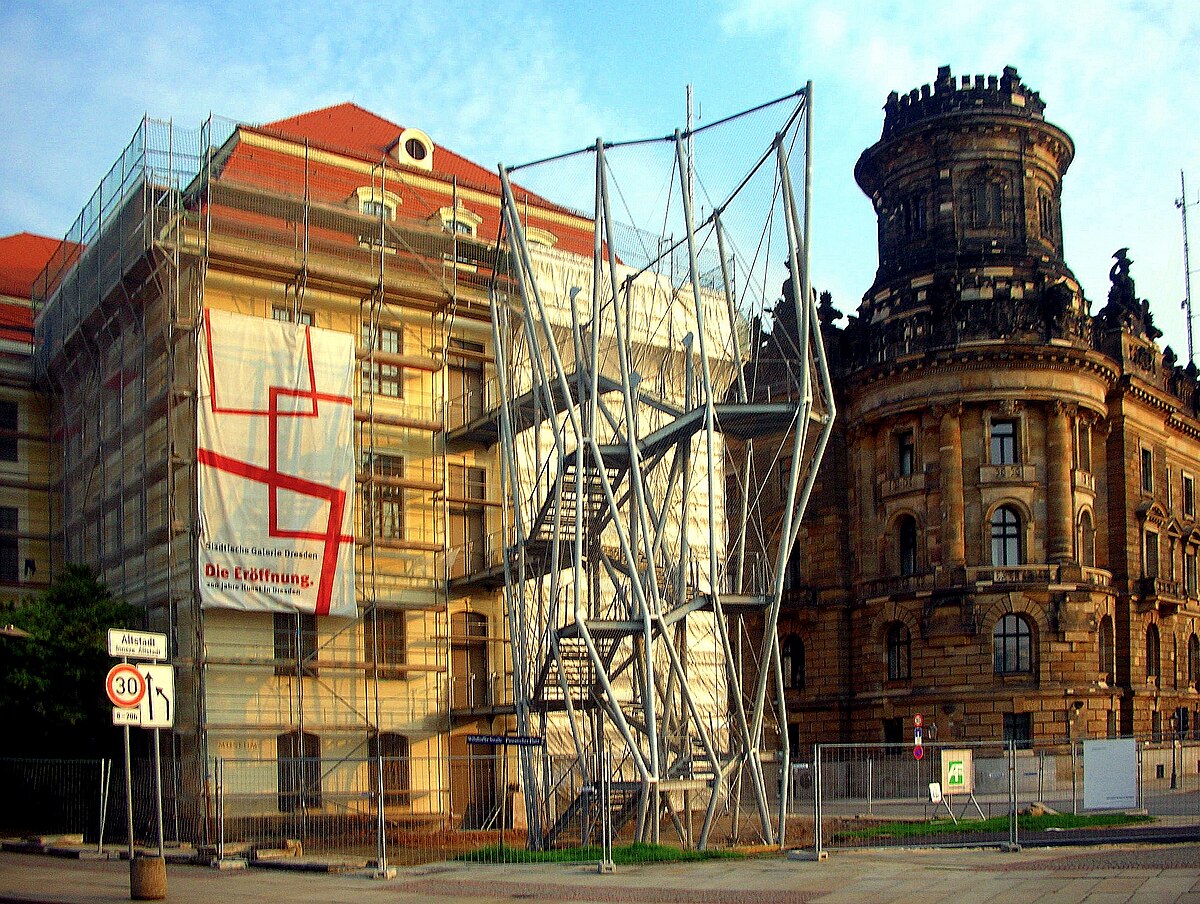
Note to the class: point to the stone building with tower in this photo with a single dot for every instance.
(1003, 536)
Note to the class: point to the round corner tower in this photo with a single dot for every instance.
(966, 184)
(974, 397)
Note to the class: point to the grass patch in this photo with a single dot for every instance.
(995, 825)
(623, 854)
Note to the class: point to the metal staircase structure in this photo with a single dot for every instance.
(621, 554)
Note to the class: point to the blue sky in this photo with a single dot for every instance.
(510, 81)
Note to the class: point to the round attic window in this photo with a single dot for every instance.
(415, 148)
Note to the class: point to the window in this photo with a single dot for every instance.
(906, 543)
(792, 662)
(899, 652)
(1108, 651)
(299, 761)
(459, 220)
(9, 421)
(905, 453)
(1004, 442)
(1156, 734)
(1153, 650)
(1147, 470)
(393, 750)
(415, 149)
(1179, 721)
(793, 574)
(377, 377)
(1111, 723)
(1019, 730)
(1150, 555)
(985, 201)
(295, 643)
(893, 731)
(384, 507)
(1083, 447)
(376, 203)
(1193, 666)
(1012, 645)
(1087, 540)
(1045, 213)
(912, 214)
(375, 209)
(1189, 571)
(1006, 537)
(9, 545)
(288, 315)
(1189, 495)
(467, 492)
(384, 642)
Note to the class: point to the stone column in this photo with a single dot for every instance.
(1059, 546)
(953, 531)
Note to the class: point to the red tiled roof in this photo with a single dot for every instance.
(23, 256)
(348, 128)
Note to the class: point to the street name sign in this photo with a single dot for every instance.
(137, 644)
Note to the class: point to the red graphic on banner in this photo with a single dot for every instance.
(274, 479)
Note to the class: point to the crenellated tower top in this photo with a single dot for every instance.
(966, 94)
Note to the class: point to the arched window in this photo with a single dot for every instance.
(1153, 667)
(1006, 536)
(1012, 645)
(298, 758)
(793, 662)
(1107, 651)
(392, 751)
(899, 652)
(906, 544)
(1087, 540)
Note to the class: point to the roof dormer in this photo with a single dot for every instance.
(414, 148)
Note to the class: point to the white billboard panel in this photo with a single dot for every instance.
(1110, 774)
(275, 456)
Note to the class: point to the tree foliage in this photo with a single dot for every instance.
(52, 699)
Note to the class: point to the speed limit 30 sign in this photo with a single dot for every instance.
(125, 685)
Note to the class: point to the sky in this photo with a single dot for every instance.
(509, 81)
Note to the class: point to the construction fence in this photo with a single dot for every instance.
(378, 811)
(998, 793)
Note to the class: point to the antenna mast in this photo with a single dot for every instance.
(1182, 204)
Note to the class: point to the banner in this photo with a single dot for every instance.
(275, 456)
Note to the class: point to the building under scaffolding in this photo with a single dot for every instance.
(544, 438)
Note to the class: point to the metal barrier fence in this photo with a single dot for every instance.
(86, 799)
(376, 811)
(874, 795)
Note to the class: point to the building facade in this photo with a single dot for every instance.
(28, 504)
(1003, 536)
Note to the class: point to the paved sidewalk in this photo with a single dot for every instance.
(1104, 874)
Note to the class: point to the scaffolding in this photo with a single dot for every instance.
(641, 536)
(574, 498)
(251, 219)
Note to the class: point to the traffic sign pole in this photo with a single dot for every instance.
(128, 788)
